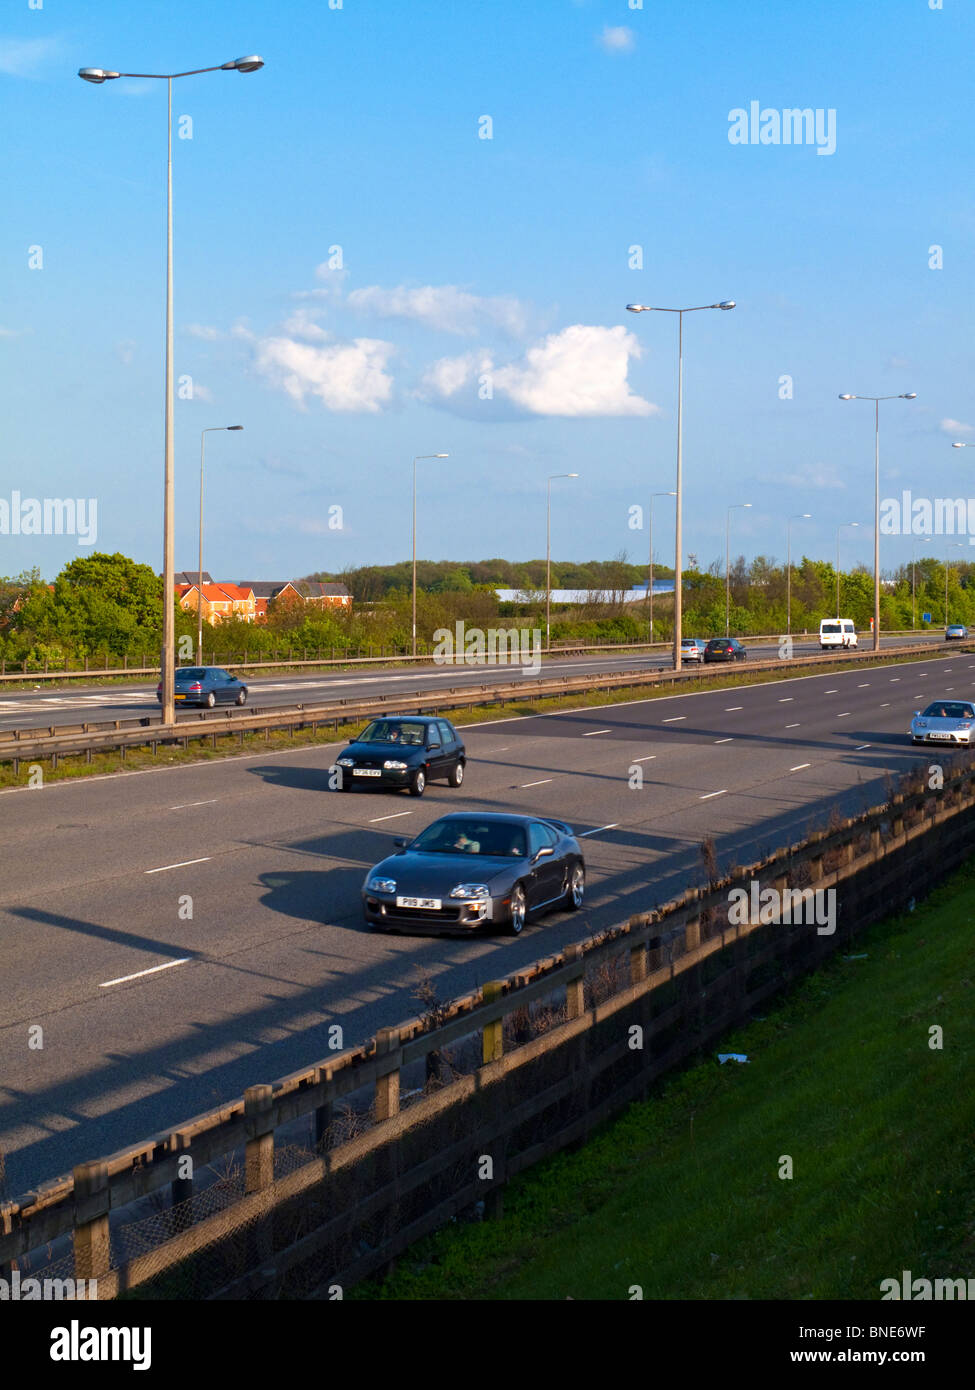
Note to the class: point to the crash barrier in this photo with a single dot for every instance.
(330, 1173)
(56, 741)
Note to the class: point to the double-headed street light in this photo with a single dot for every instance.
(415, 459)
(678, 536)
(548, 553)
(838, 530)
(168, 661)
(727, 565)
(901, 396)
(650, 580)
(199, 593)
(799, 516)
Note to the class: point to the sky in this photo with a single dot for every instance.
(415, 231)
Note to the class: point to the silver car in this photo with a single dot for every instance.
(944, 721)
(692, 648)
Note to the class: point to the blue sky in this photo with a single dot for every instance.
(470, 264)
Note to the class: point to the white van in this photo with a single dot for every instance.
(837, 632)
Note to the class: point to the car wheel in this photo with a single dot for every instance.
(456, 775)
(210, 700)
(575, 889)
(242, 697)
(419, 782)
(519, 910)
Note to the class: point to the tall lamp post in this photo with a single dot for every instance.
(168, 662)
(914, 581)
(199, 593)
(727, 565)
(548, 552)
(678, 536)
(838, 530)
(650, 578)
(901, 396)
(416, 457)
(799, 516)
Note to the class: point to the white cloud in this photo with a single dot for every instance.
(955, 426)
(9, 332)
(447, 375)
(444, 307)
(203, 331)
(302, 323)
(343, 376)
(617, 39)
(23, 57)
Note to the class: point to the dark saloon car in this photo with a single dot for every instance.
(724, 649)
(404, 751)
(206, 685)
(467, 871)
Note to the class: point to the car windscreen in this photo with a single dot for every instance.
(191, 673)
(504, 839)
(404, 731)
(949, 709)
(830, 627)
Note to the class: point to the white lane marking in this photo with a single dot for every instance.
(597, 830)
(895, 679)
(181, 865)
(396, 816)
(674, 719)
(731, 708)
(123, 979)
(537, 784)
(885, 705)
(831, 692)
(186, 804)
(799, 766)
(786, 699)
(792, 726)
(708, 795)
(844, 715)
(864, 686)
(648, 759)
(593, 732)
(723, 740)
(860, 747)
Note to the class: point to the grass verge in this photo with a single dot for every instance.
(683, 1196)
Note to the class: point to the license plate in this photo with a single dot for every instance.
(433, 904)
(366, 772)
(180, 697)
(945, 736)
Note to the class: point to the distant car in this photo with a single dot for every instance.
(206, 685)
(404, 752)
(955, 630)
(692, 648)
(466, 871)
(724, 649)
(837, 632)
(944, 721)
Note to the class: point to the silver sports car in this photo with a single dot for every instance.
(944, 721)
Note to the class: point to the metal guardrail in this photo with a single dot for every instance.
(17, 745)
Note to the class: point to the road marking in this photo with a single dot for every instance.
(533, 784)
(792, 726)
(593, 732)
(799, 766)
(648, 759)
(860, 747)
(708, 795)
(864, 686)
(397, 815)
(885, 705)
(212, 802)
(731, 708)
(895, 679)
(786, 699)
(674, 718)
(831, 692)
(123, 979)
(844, 715)
(723, 740)
(597, 830)
(181, 865)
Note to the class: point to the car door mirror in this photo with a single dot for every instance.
(433, 746)
(399, 842)
(542, 853)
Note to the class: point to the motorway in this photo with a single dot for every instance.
(70, 704)
(150, 1015)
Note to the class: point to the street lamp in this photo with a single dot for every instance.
(168, 661)
(948, 545)
(914, 581)
(212, 429)
(799, 516)
(901, 396)
(838, 530)
(548, 553)
(678, 536)
(650, 583)
(727, 564)
(416, 457)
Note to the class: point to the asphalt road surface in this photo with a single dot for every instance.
(72, 704)
(151, 1016)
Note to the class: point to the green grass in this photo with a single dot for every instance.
(229, 745)
(682, 1194)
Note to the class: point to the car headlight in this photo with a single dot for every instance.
(392, 765)
(346, 762)
(470, 890)
(381, 885)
